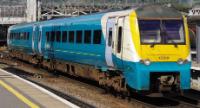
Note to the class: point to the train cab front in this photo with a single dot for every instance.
(164, 53)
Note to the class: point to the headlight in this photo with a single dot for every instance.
(181, 61)
(146, 62)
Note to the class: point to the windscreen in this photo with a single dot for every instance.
(161, 31)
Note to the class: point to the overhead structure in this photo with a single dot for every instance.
(194, 19)
(19, 12)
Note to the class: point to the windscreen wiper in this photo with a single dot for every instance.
(173, 42)
(164, 33)
(152, 45)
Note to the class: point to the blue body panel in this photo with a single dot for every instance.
(92, 54)
(137, 74)
(23, 45)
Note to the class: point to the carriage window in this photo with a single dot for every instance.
(58, 35)
(97, 37)
(79, 37)
(47, 36)
(119, 40)
(15, 35)
(18, 36)
(11, 35)
(21, 36)
(25, 36)
(110, 37)
(64, 36)
(52, 36)
(87, 37)
(28, 35)
(71, 36)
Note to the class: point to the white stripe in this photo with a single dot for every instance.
(195, 68)
(193, 52)
(43, 90)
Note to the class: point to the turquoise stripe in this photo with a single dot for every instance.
(78, 53)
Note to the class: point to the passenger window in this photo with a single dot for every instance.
(58, 35)
(97, 37)
(64, 36)
(71, 36)
(52, 36)
(25, 36)
(79, 37)
(21, 36)
(11, 36)
(119, 40)
(15, 35)
(110, 37)
(28, 35)
(87, 37)
(18, 36)
(47, 36)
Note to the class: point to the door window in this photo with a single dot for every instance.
(119, 40)
(110, 37)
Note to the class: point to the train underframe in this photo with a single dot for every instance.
(112, 80)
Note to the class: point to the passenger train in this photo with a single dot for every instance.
(142, 49)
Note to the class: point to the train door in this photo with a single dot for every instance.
(118, 51)
(40, 40)
(35, 39)
(109, 38)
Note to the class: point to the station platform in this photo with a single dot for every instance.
(16, 92)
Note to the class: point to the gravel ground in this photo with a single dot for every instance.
(88, 93)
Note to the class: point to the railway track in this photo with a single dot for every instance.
(16, 66)
(185, 99)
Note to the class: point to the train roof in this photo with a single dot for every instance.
(143, 12)
(157, 12)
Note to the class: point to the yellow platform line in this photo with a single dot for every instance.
(18, 95)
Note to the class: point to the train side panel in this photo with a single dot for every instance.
(21, 39)
(75, 50)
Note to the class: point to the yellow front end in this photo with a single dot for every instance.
(159, 52)
(160, 62)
